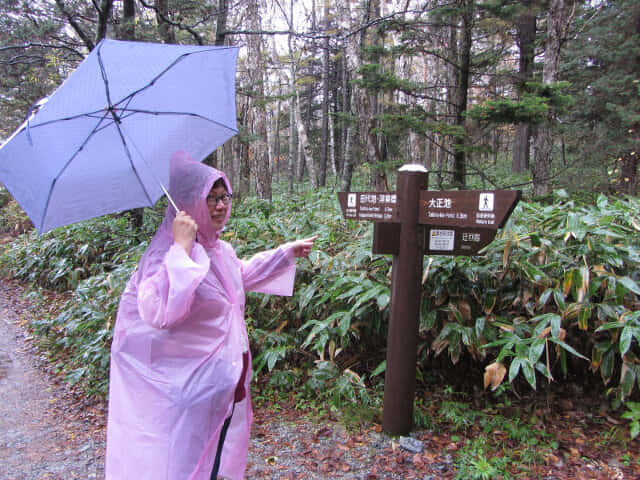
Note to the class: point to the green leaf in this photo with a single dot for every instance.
(479, 327)
(606, 367)
(514, 368)
(626, 337)
(383, 301)
(584, 316)
(559, 298)
(609, 326)
(544, 298)
(629, 284)
(627, 379)
(536, 349)
(602, 202)
(556, 321)
(345, 323)
(569, 348)
(529, 374)
(379, 369)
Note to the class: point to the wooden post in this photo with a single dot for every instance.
(402, 341)
(408, 224)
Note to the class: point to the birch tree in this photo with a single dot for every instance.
(351, 62)
(324, 145)
(258, 120)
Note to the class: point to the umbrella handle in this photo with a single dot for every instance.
(173, 204)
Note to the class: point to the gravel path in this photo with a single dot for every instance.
(43, 434)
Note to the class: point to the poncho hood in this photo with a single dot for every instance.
(189, 184)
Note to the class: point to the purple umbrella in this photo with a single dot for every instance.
(101, 143)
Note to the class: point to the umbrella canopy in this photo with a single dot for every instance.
(101, 143)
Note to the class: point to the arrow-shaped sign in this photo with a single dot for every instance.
(467, 208)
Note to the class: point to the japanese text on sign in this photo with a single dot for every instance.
(470, 237)
(440, 203)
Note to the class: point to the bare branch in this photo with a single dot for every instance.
(178, 25)
(41, 45)
(76, 27)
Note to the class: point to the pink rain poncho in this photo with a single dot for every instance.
(179, 344)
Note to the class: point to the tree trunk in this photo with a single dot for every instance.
(291, 162)
(244, 172)
(462, 92)
(445, 157)
(127, 29)
(628, 182)
(164, 28)
(432, 76)
(366, 104)
(307, 158)
(292, 159)
(221, 22)
(350, 63)
(521, 147)
(332, 148)
(103, 15)
(104, 12)
(227, 163)
(324, 147)
(526, 38)
(305, 147)
(346, 173)
(276, 163)
(221, 28)
(241, 163)
(558, 19)
(255, 72)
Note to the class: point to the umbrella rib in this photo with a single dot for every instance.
(169, 67)
(96, 129)
(103, 72)
(186, 114)
(64, 167)
(95, 114)
(133, 167)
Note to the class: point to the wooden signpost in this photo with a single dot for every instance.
(408, 224)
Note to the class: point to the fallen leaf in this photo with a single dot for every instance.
(493, 375)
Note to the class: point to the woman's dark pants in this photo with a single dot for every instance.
(223, 434)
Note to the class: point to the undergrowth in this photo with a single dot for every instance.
(555, 296)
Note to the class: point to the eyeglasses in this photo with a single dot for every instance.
(225, 198)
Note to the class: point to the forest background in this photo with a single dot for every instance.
(541, 96)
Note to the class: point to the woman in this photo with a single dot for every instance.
(180, 364)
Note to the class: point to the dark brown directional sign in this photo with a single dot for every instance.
(373, 206)
(408, 224)
(437, 240)
(468, 208)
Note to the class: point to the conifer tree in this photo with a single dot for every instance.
(603, 67)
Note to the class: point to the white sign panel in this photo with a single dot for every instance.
(442, 240)
(486, 202)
